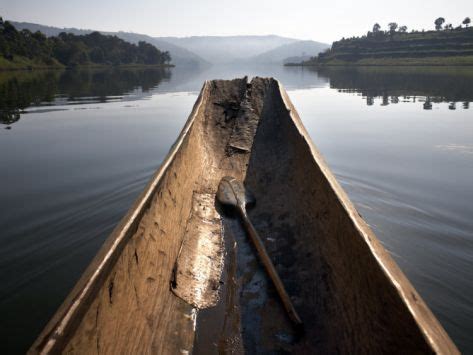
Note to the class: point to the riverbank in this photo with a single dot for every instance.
(23, 63)
(397, 62)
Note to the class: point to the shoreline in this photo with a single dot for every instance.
(460, 61)
(34, 67)
(376, 65)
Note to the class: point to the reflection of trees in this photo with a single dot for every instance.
(385, 100)
(23, 89)
(101, 84)
(436, 85)
(427, 104)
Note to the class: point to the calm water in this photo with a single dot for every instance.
(78, 147)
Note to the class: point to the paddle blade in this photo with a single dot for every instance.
(231, 192)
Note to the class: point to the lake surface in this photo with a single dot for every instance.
(77, 148)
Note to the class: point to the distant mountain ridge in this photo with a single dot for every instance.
(283, 53)
(180, 56)
(229, 49)
(202, 50)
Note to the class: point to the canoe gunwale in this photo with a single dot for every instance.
(69, 313)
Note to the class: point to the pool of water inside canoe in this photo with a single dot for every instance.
(79, 146)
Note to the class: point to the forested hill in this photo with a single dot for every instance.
(444, 46)
(27, 49)
(180, 56)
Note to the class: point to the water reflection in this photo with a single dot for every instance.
(388, 86)
(21, 90)
(383, 86)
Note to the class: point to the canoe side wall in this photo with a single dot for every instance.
(66, 320)
(134, 310)
(378, 280)
(343, 297)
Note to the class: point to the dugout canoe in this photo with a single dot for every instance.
(178, 275)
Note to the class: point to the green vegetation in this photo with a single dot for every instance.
(445, 45)
(27, 50)
(20, 62)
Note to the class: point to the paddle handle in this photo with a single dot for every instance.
(270, 269)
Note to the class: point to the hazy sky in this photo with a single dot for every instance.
(324, 21)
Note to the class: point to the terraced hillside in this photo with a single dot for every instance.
(445, 47)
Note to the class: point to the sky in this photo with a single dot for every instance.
(324, 21)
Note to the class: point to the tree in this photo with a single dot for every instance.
(392, 27)
(97, 55)
(466, 21)
(376, 28)
(166, 57)
(448, 26)
(403, 29)
(438, 23)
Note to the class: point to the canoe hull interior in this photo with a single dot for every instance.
(350, 294)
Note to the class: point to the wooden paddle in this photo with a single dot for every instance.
(232, 193)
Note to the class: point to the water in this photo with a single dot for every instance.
(78, 147)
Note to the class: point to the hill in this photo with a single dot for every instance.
(202, 50)
(441, 47)
(49, 31)
(180, 56)
(280, 54)
(229, 49)
(187, 51)
(26, 49)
